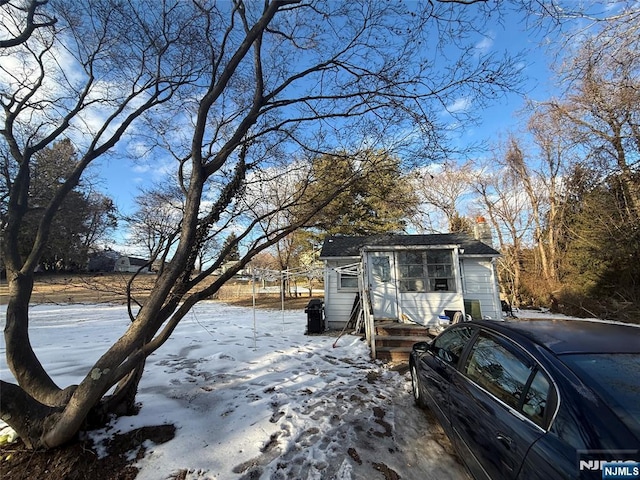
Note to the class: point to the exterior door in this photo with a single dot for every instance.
(382, 285)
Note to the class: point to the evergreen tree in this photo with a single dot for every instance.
(601, 240)
(378, 198)
(234, 253)
(83, 219)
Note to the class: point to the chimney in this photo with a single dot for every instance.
(482, 231)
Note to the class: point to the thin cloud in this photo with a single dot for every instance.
(462, 104)
(484, 45)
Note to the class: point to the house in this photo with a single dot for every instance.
(415, 279)
(226, 266)
(132, 265)
(103, 261)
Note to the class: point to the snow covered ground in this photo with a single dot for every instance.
(252, 397)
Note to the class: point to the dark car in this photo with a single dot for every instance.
(535, 399)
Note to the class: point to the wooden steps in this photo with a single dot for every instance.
(395, 340)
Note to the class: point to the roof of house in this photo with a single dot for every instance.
(348, 246)
(137, 262)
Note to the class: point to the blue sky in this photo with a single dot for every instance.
(500, 116)
(121, 178)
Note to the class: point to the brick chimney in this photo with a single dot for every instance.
(482, 231)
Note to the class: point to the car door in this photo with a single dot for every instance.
(439, 365)
(490, 432)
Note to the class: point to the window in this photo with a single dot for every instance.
(426, 271)
(511, 377)
(498, 370)
(615, 377)
(450, 344)
(381, 268)
(535, 401)
(347, 281)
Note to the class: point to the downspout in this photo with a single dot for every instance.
(496, 288)
(327, 298)
(463, 283)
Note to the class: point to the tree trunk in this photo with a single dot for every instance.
(21, 359)
(28, 417)
(630, 187)
(122, 402)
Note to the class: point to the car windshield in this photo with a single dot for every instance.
(616, 379)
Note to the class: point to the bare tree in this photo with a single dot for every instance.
(60, 82)
(231, 88)
(556, 153)
(515, 160)
(272, 195)
(445, 188)
(500, 191)
(155, 224)
(575, 20)
(25, 19)
(602, 106)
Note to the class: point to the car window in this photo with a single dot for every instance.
(498, 370)
(614, 376)
(450, 344)
(535, 401)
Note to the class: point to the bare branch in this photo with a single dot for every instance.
(32, 21)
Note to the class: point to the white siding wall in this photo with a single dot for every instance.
(337, 303)
(480, 283)
(122, 265)
(425, 308)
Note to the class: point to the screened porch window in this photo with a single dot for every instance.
(426, 271)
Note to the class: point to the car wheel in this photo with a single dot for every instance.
(415, 388)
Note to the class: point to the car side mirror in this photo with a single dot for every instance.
(421, 347)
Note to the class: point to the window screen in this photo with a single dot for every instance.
(426, 271)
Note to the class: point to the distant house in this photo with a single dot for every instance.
(103, 261)
(226, 266)
(132, 265)
(409, 278)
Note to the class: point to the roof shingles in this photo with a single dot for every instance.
(349, 246)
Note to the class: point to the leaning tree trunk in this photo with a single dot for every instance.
(26, 415)
(21, 359)
(122, 402)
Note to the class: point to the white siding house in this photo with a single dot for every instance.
(132, 265)
(410, 278)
